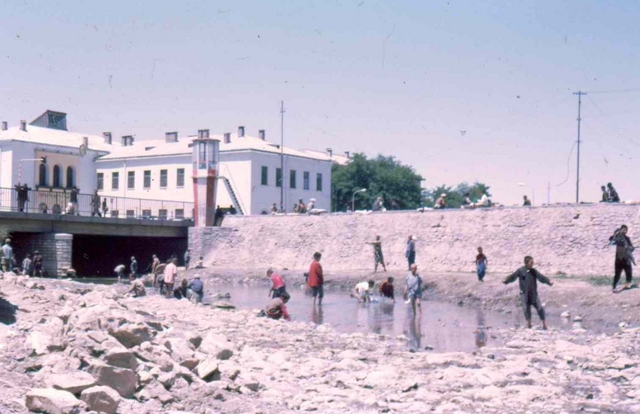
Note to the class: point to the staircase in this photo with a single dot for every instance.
(232, 194)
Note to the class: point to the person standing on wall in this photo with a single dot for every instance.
(95, 204)
(624, 257)
(528, 278)
(316, 279)
(410, 254)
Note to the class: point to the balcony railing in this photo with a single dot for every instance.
(56, 201)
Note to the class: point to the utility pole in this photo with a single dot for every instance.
(579, 93)
(549, 193)
(282, 156)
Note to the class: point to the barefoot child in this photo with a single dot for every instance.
(528, 278)
(481, 264)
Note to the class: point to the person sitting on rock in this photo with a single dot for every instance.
(278, 286)
(137, 287)
(199, 264)
(276, 308)
(528, 278)
(362, 291)
(181, 290)
(605, 194)
(195, 290)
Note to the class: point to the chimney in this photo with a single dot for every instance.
(348, 154)
(127, 140)
(330, 152)
(227, 137)
(85, 142)
(262, 134)
(203, 133)
(240, 132)
(23, 125)
(4, 125)
(107, 137)
(171, 137)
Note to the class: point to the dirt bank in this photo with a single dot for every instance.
(63, 340)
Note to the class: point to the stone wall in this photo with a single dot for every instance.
(56, 249)
(568, 239)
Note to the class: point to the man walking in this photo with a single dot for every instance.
(7, 255)
(624, 256)
(316, 279)
(528, 278)
(377, 254)
(170, 274)
(95, 204)
(413, 287)
(410, 254)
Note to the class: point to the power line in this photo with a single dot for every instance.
(632, 90)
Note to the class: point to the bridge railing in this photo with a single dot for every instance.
(57, 201)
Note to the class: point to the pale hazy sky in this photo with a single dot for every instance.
(401, 78)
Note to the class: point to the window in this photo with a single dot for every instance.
(131, 213)
(146, 214)
(292, 179)
(163, 178)
(57, 176)
(100, 184)
(305, 180)
(202, 156)
(319, 182)
(114, 213)
(43, 176)
(115, 181)
(179, 213)
(278, 177)
(162, 213)
(71, 177)
(264, 180)
(131, 180)
(180, 178)
(147, 179)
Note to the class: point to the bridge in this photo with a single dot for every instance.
(72, 234)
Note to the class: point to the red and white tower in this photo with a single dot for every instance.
(205, 165)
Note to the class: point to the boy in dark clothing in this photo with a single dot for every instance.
(613, 194)
(481, 264)
(624, 256)
(528, 278)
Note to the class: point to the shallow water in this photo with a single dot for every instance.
(437, 325)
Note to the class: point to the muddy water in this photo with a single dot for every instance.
(437, 325)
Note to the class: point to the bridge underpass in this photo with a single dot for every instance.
(93, 245)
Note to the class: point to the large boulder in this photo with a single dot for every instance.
(120, 379)
(122, 358)
(208, 370)
(217, 345)
(102, 399)
(47, 338)
(131, 335)
(74, 382)
(51, 401)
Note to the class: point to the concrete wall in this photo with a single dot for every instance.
(568, 239)
(55, 248)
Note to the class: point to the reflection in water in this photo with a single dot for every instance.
(317, 315)
(481, 330)
(381, 316)
(413, 329)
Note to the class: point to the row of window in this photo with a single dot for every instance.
(306, 178)
(43, 179)
(146, 181)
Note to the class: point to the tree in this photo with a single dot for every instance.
(382, 177)
(456, 196)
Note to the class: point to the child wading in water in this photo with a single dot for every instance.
(481, 264)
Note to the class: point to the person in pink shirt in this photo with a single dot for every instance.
(170, 274)
(277, 284)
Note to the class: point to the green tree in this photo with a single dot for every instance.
(456, 196)
(382, 177)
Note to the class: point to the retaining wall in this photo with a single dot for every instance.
(568, 239)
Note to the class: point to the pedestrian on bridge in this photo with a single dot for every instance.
(73, 199)
(95, 204)
(104, 207)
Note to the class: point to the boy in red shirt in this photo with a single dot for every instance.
(316, 279)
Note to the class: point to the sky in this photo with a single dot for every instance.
(462, 91)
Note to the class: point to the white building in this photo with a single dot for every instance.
(250, 170)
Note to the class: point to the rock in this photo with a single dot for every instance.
(217, 345)
(51, 401)
(122, 358)
(622, 363)
(74, 382)
(577, 318)
(622, 325)
(102, 399)
(566, 314)
(131, 335)
(224, 305)
(208, 370)
(97, 336)
(33, 285)
(120, 379)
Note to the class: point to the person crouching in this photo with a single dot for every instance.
(276, 308)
